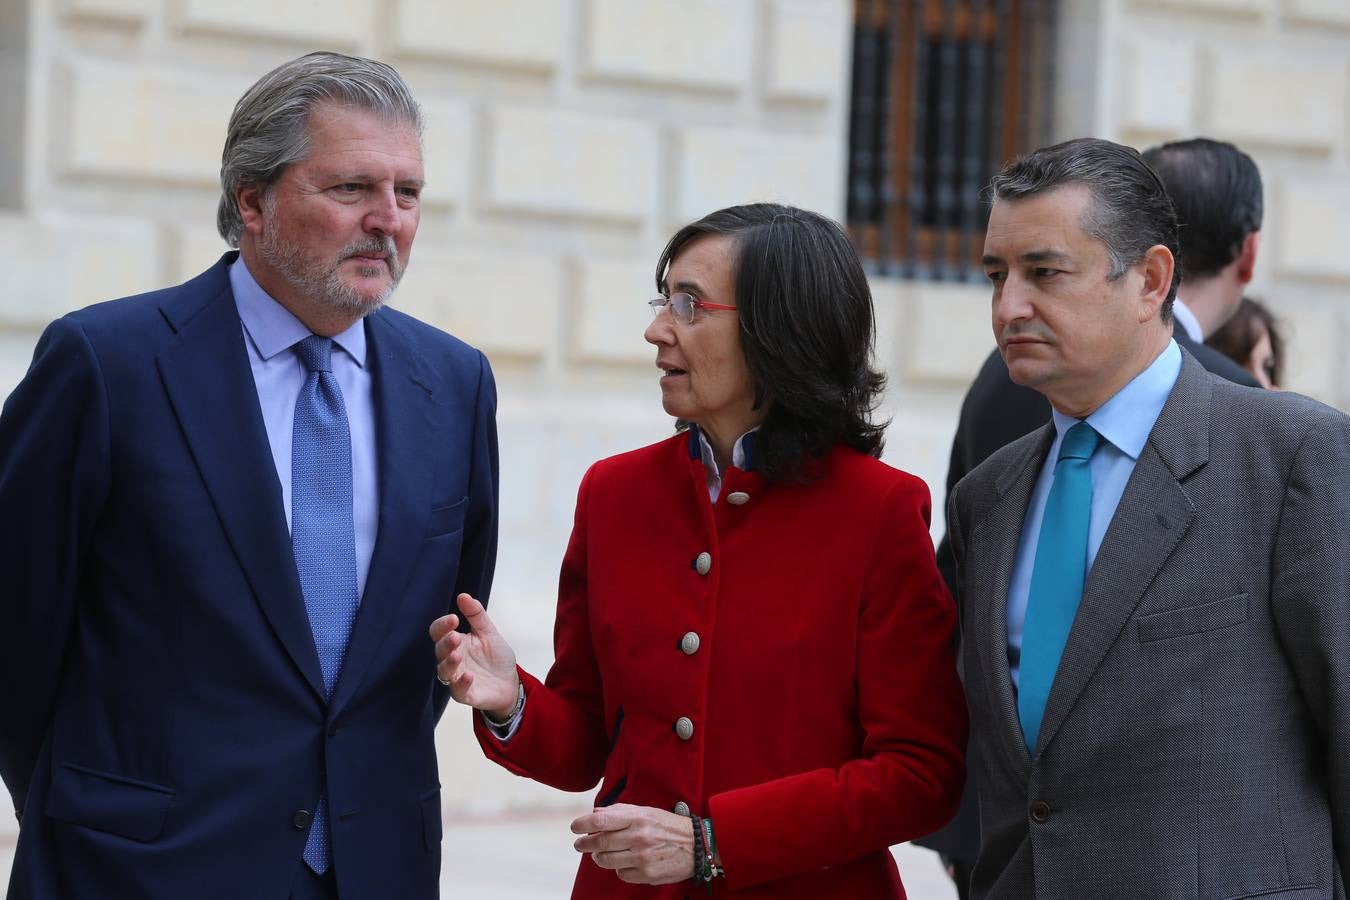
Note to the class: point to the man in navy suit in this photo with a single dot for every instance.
(227, 511)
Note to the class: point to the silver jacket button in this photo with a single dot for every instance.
(681, 809)
(738, 498)
(689, 643)
(684, 728)
(703, 563)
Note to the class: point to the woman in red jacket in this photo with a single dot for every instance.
(754, 650)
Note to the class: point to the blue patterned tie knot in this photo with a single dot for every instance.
(316, 353)
(323, 533)
(1057, 577)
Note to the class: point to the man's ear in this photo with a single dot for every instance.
(1246, 261)
(1158, 266)
(249, 198)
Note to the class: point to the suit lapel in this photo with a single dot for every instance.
(206, 373)
(408, 429)
(1153, 516)
(993, 550)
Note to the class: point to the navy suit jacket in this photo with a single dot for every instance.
(163, 725)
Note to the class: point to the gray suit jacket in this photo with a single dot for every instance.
(1196, 741)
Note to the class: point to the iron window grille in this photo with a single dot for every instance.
(944, 92)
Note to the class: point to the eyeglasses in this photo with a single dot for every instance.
(682, 306)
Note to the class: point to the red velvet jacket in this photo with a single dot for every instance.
(828, 721)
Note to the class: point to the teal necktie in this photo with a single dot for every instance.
(1057, 577)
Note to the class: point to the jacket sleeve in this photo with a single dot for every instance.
(478, 553)
(908, 777)
(561, 740)
(54, 474)
(1310, 599)
(478, 558)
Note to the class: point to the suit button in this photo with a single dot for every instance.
(689, 643)
(684, 728)
(738, 498)
(703, 563)
(681, 809)
(301, 819)
(1040, 812)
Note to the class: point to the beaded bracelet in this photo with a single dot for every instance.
(700, 859)
(705, 852)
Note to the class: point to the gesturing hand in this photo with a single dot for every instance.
(642, 844)
(479, 667)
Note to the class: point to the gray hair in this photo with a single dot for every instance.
(269, 129)
(1130, 211)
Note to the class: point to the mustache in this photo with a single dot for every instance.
(372, 245)
(1024, 330)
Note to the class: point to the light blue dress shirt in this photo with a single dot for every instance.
(1124, 422)
(270, 332)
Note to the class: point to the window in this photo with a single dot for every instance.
(944, 92)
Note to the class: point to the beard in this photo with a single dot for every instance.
(320, 280)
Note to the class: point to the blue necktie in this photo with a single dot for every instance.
(323, 535)
(1057, 578)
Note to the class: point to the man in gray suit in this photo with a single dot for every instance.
(1155, 586)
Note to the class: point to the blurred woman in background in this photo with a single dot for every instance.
(1253, 340)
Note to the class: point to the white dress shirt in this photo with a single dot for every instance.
(1188, 322)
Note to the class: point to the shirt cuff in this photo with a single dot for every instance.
(505, 732)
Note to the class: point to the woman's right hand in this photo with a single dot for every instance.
(478, 667)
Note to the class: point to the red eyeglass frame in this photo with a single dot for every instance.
(659, 303)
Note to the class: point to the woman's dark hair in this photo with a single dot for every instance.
(1238, 336)
(806, 328)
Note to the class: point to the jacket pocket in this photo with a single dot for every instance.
(431, 820)
(1303, 892)
(1193, 619)
(107, 802)
(445, 519)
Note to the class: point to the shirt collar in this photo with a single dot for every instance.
(1127, 418)
(742, 452)
(1188, 322)
(273, 328)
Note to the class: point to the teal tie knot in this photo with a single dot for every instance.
(1080, 442)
